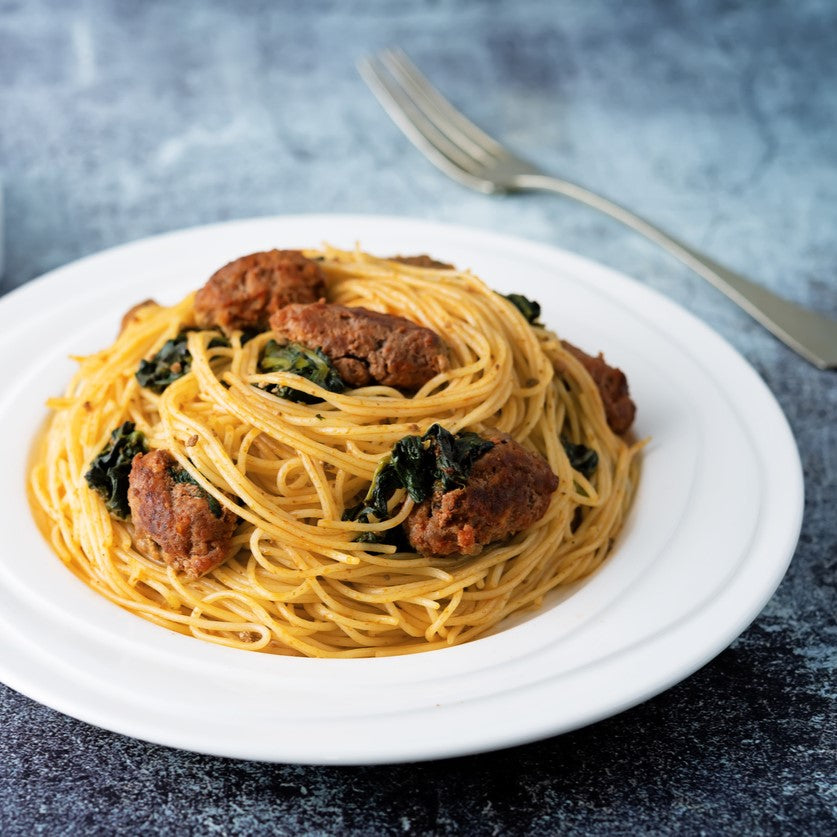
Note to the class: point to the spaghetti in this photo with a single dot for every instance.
(301, 580)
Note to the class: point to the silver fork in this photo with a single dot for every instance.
(467, 154)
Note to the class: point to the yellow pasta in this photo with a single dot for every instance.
(299, 581)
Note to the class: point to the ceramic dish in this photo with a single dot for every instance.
(710, 535)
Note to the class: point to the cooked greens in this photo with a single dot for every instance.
(385, 483)
(583, 459)
(530, 309)
(438, 457)
(419, 464)
(247, 334)
(109, 471)
(173, 361)
(308, 363)
(179, 474)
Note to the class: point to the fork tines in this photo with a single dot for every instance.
(450, 140)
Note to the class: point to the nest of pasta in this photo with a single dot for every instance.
(233, 468)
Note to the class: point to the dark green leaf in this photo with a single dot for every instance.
(109, 471)
(173, 361)
(394, 537)
(455, 455)
(438, 457)
(385, 482)
(413, 462)
(179, 474)
(418, 464)
(583, 459)
(247, 334)
(369, 537)
(530, 309)
(308, 363)
(221, 340)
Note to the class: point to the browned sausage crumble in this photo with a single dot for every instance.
(613, 388)
(173, 518)
(245, 292)
(131, 314)
(365, 346)
(422, 261)
(508, 490)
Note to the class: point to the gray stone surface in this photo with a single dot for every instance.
(716, 119)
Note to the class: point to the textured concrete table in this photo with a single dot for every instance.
(717, 120)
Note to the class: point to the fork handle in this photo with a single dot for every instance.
(806, 332)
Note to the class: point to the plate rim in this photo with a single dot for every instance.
(36, 287)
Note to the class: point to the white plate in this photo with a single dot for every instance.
(711, 533)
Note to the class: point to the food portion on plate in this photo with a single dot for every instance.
(330, 454)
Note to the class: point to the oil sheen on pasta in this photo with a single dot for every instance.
(300, 583)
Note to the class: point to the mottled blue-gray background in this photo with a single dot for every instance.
(716, 119)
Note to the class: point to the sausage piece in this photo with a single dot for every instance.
(613, 388)
(245, 292)
(365, 346)
(131, 314)
(508, 490)
(174, 519)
